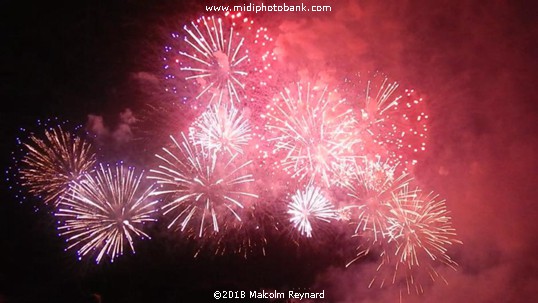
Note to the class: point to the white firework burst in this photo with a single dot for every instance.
(105, 210)
(313, 130)
(222, 128)
(213, 54)
(307, 207)
(421, 225)
(420, 233)
(203, 190)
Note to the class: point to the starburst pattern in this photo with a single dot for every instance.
(307, 207)
(372, 188)
(312, 129)
(221, 128)
(220, 58)
(52, 162)
(419, 236)
(203, 190)
(104, 211)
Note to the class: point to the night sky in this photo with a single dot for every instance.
(475, 63)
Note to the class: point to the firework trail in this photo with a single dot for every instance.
(313, 130)
(391, 119)
(53, 162)
(221, 128)
(217, 53)
(203, 189)
(249, 238)
(307, 207)
(105, 210)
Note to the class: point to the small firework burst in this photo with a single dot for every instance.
(203, 190)
(221, 128)
(307, 207)
(104, 210)
(52, 162)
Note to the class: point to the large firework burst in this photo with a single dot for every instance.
(105, 210)
(313, 130)
(204, 190)
(421, 232)
(219, 57)
(54, 161)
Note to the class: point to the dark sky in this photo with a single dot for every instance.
(474, 61)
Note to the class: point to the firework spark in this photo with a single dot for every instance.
(307, 207)
(249, 238)
(313, 130)
(392, 119)
(53, 162)
(205, 189)
(104, 210)
(214, 54)
(221, 128)
(376, 175)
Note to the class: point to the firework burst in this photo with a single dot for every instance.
(204, 190)
(213, 52)
(307, 207)
(372, 188)
(53, 162)
(221, 128)
(419, 235)
(312, 130)
(421, 232)
(105, 210)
